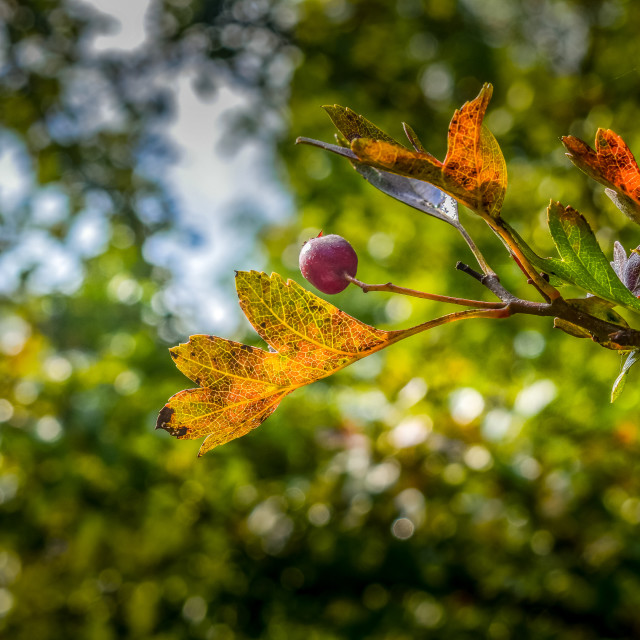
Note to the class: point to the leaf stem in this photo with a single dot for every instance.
(549, 292)
(484, 265)
(392, 288)
(501, 312)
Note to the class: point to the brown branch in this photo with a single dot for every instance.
(392, 288)
(600, 330)
(489, 280)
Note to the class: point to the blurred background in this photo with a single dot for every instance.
(472, 482)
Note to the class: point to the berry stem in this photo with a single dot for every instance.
(392, 288)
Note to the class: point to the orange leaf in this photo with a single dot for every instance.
(474, 171)
(612, 164)
(242, 385)
(397, 159)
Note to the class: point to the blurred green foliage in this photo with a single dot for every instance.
(474, 482)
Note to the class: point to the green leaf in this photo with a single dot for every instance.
(618, 385)
(581, 261)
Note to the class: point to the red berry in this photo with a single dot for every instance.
(326, 260)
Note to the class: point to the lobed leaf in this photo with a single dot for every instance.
(492, 179)
(581, 262)
(474, 171)
(240, 385)
(613, 165)
(474, 158)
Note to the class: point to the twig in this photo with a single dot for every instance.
(484, 265)
(465, 268)
(392, 288)
(489, 280)
(600, 330)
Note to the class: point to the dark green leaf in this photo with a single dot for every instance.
(581, 261)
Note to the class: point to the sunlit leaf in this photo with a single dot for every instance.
(620, 381)
(474, 171)
(613, 165)
(581, 261)
(492, 176)
(241, 385)
(397, 159)
(474, 159)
